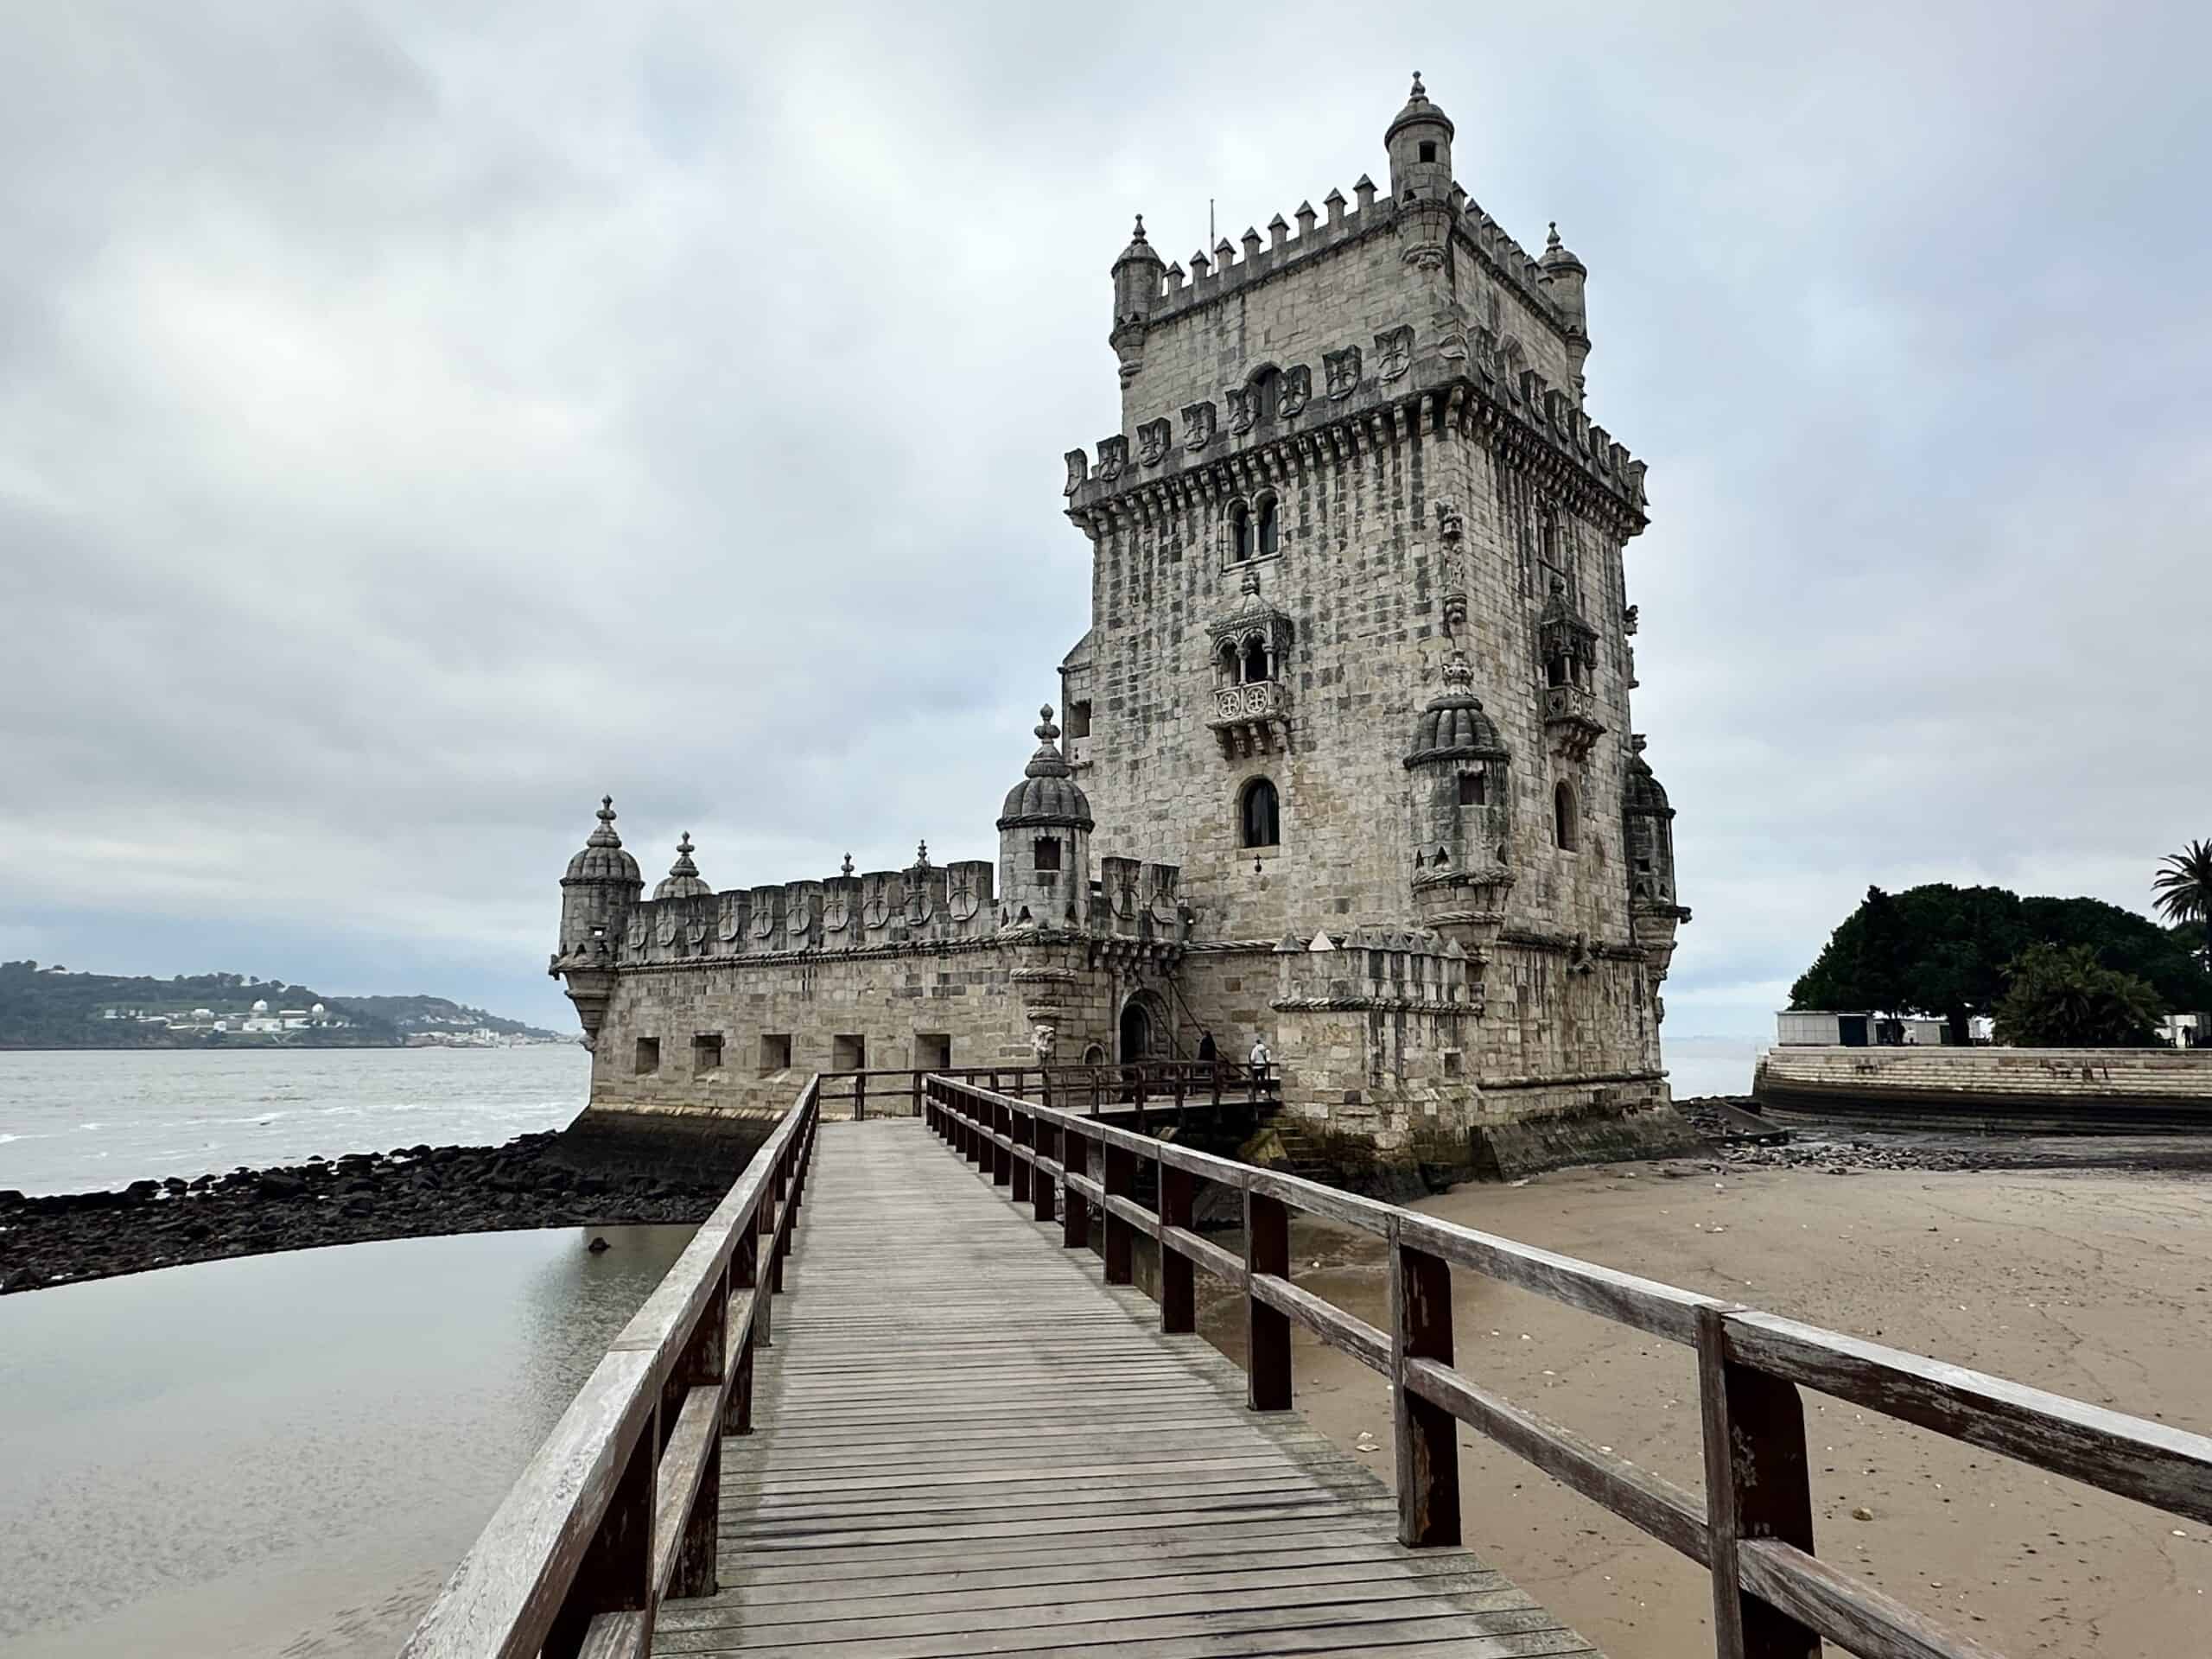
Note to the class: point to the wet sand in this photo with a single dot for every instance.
(2093, 1285)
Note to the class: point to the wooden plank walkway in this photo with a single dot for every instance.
(967, 1443)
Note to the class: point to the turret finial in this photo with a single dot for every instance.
(1458, 675)
(607, 809)
(1419, 91)
(1552, 241)
(921, 856)
(684, 844)
(605, 836)
(847, 868)
(1138, 234)
(1044, 729)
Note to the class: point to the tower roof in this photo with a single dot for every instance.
(1047, 792)
(602, 858)
(1418, 108)
(683, 880)
(1453, 726)
(1138, 250)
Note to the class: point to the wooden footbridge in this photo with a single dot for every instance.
(899, 1400)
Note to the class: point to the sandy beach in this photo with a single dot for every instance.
(2097, 1284)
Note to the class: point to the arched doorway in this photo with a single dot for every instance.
(1137, 1036)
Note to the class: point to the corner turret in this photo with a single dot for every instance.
(1419, 140)
(1462, 797)
(600, 886)
(1565, 278)
(1045, 840)
(1137, 277)
(1648, 834)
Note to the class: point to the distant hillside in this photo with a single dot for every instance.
(51, 1008)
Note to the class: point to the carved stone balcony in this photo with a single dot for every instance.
(1571, 720)
(1251, 719)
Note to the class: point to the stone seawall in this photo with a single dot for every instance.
(2014, 1091)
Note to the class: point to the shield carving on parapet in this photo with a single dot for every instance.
(1154, 438)
(1297, 390)
(962, 897)
(732, 923)
(764, 923)
(664, 929)
(875, 902)
(696, 931)
(1125, 895)
(920, 905)
(637, 934)
(836, 913)
(1163, 906)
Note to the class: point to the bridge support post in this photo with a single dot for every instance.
(1428, 1436)
(1121, 1237)
(1178, 1297)
(1267, 1250)
(1756, 1485)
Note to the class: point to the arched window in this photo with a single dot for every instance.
(1267, 396)
(1255, 661)
(1240, 532)
(1226, 662)
(1567, 825)
(1260, 815)
(1264, 537)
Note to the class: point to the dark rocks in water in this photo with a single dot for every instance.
(597, 1245)
(412, 1191)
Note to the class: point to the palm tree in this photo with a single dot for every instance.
(2183, 886)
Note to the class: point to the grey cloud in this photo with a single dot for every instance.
(413, 422)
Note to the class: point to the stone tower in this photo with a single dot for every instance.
(1355, 465)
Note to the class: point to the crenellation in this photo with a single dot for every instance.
(1349, 745)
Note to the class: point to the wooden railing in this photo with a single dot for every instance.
(1752, 1525)
(1138, 1085)
(619, 1507)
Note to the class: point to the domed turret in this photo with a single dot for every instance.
(1565, 278)
(1461, 792)
(1419, 140)
(1137, 277)
(1045, 840)
(601, 884)
(683, 880)
(1648, 823)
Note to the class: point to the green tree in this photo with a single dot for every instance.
(2183, 890)
(2063, 997)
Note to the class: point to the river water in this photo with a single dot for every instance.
(285, 1455)
(74, 1120)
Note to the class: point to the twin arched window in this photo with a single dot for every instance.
(1252, 530)
(1259, 815)
(1249, 665)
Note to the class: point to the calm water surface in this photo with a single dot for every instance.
(76, 1120)
(285, 1455)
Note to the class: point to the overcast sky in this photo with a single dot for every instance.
(415, 420)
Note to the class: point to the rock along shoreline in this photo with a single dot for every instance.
(410, 1192)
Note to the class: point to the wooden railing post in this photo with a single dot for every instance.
(1121, 1236)
(738, 1420)
(1001, 1153)
(918, 1094)
(1075, 1209)
(860, 1096)
(701, 1366)
(1178, 1295)
(1756, 1485)
(616, 1573)
(1046, 1142)
(775, 1242)
(1025, 1140)
(1267, 1250)
(1427, 1434)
